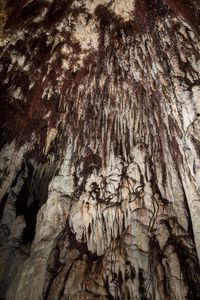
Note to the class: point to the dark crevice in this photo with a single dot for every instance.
(189, 265)
(32, 196)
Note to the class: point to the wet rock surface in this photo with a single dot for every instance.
(100, 139)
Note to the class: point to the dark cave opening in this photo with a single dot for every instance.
(30, 216)
(22, 208)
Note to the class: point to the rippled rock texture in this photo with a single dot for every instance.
(100, 149)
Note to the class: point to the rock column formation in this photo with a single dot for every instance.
(100, 149)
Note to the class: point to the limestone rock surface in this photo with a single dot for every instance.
(100, 150)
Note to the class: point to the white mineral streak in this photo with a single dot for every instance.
(124, 9)
(51, 135)
(86, 33)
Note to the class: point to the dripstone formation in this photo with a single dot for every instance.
(100, 149)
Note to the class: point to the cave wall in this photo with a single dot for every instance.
(100, 149)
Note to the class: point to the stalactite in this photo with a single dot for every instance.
(99, 140)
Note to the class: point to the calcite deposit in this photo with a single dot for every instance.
(100, 149)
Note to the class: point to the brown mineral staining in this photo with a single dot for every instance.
(38, 51)
(3, 17)
(185, 9)
(11, 9)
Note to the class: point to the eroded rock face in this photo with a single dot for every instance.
(99, 161)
